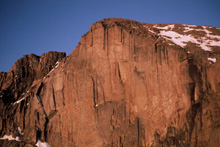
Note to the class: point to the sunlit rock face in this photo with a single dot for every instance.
(125, 84)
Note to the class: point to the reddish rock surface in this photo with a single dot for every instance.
(125, 84)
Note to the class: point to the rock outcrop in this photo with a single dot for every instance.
(25, 70)
(125, 84)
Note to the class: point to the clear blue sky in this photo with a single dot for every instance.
(39, 26)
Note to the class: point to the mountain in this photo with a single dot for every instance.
(125, 84)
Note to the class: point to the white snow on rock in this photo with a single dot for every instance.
(187, 29)
(165, 28)
(42, 144)
(57, 64)
(213, 36)
(151, 31)
(10, 137)
(20, 131)
(212, 59)
(205, 30)
(50, 71)
(17, 102)
(182, 40)
(205, 42)
(177, 38)
(192, 26)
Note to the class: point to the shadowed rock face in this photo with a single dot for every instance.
(20, 77)
(125, 84)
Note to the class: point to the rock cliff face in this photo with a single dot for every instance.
(125, 84)
(25, 70)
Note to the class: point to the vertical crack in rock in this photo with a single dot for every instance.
(122, 36)
(45, 114)
(119, 74)
(54, 100)
(192, 92)
(92, 38)
(196, 105)
(138, 129)
(38, 93)
(155, 47)
(103, 94)
(105, 39)
(95, 92)
(159, 54)
(165, 54)
(63, 94)
(156, 51)
(107, 42)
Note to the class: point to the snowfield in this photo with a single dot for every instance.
(10, 137)
(181, 39)
(42, 144)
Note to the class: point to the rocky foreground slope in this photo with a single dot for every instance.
(125, 84)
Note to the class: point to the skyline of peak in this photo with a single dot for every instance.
(41, 26)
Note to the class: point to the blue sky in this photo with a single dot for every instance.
(39, 26)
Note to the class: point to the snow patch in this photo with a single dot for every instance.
(19, 130)
(207, 31)
(10, 137)
(57, 64)
(151, 31)
(213, 36)
(17, 102)
(50, 71)
(212, 59)
(42, 144)
(187, 29)
(170, 27)
(182, 40)
(177, 38)
(192, 26)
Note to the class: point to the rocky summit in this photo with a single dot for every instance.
(126, 84)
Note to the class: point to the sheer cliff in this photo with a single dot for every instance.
(125, 84)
